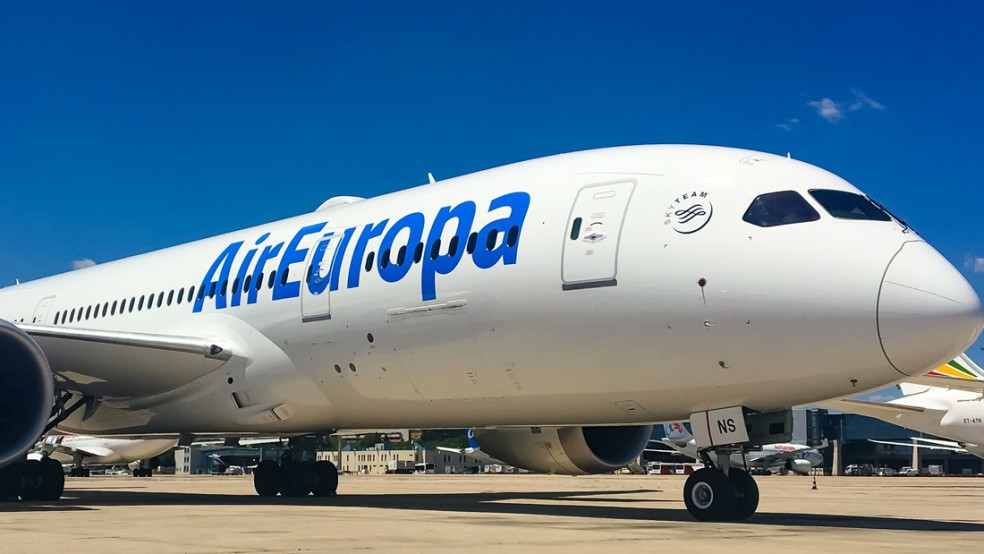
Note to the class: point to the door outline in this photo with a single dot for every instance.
(605, 278)
(41, 312)
(311, 308)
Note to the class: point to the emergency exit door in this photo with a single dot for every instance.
(590, 255)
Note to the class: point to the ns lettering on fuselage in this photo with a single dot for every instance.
(402, 246)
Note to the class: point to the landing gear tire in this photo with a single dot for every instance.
(52, 480)
(299, 479)
(268, 478)
(747, 494)
(326, 478)
(10, 481)
(709, 495)
(30, 485)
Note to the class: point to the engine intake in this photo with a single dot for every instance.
(26, 392)
(566, 450)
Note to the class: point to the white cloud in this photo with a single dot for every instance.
(862, 100)
(834, 111)
(83, 263)
(828, 109)
(788, 124)
(974, 263)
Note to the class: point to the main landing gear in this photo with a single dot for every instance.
(297, 474)
(32, 480)
(720, 492)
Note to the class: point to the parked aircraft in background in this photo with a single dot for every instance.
(86, 451)
(793, 457)
(953, 408)
(568, 293)
(473, 451)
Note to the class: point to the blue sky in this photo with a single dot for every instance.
(127, 127)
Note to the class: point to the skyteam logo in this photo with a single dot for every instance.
(236, 277)
(689, 212)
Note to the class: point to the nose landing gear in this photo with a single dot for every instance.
(720, 492)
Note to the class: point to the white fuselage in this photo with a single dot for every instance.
(90, 450)
(640, 318)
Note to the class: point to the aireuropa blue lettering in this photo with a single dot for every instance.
(405, 233)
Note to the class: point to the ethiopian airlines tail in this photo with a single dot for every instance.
(550, 304)
(959, 373)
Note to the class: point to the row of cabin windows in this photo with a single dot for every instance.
(138, 304)
(124, 306)
(385, 257)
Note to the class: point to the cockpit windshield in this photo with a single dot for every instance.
(848, 205)
(779, 208)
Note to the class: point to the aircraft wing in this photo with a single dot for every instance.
(941, 445)
(876, 410)
(960, 373)
(88, 450)
(237, 441)
(108, 364)
(473, 453)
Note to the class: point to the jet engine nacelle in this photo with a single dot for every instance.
(566, 450)
(799, 465)
(26, 392)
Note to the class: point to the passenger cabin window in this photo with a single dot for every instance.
(779, 208)
(848, 205)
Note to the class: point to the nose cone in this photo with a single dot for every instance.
(927, 312)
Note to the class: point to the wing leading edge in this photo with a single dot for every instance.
(116, 364)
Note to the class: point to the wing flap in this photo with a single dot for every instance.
(115, 364)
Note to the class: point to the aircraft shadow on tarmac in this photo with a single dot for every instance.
(588, 504)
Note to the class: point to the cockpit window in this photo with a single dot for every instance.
(848, 205)
(780, 208)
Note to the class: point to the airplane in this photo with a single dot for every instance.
(586, 295)
(82, 451)
(793, 457)
(954, 413)
(473, 451)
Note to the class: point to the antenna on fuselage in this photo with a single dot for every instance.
(430, 177)
(788, 156)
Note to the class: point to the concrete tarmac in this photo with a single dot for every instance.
(505, 513)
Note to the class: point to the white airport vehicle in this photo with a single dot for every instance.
(83, 451)
(953, 413)
(591, 293)
(797, 458)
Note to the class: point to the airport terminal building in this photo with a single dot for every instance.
(849, 439)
